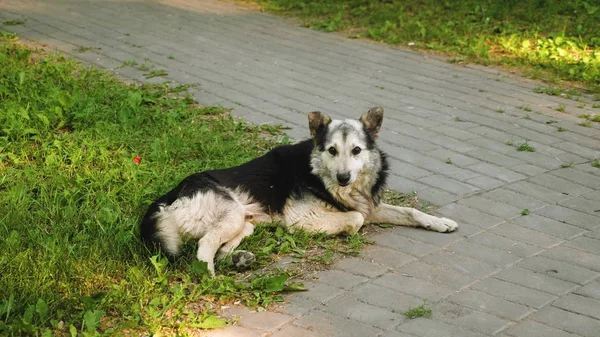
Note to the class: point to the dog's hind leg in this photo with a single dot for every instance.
(406, 216)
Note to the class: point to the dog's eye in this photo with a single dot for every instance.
(356, 150)
(332, 151)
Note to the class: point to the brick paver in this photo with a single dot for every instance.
(502, 273)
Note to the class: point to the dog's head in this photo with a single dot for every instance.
(344, 149)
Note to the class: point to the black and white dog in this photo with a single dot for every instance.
(332, 183)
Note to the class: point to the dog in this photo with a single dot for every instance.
(331, 183)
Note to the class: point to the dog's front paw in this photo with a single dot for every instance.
(443, 225)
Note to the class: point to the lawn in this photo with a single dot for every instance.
(554, 40)
(81, 157)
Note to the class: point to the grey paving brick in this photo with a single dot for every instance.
(560, 185)
(430, 328)
(265, 320)
(535, 329)
(528, 169)
(574, 256)
(504, 244)
(404, 185)
(233, 331)
(497, 172)
(491, 256)
(319, 292)
(568, 321)
(513, 198)
(427, 236)
(582, 178)
(591, 289)
(436, 274)
(514, 292)
(413, 286)
(388, 258)
(407, 170)
(548, 226)
(292, 331)
(296, 306)
(450, 185)
(491, 207)
(536, 191)
(360, 267)
(559, 269)
(485, 183)
(456, 158)
(347, 307)
(468, 318)
(522, 234)
(536, 280)
(339, 279)
(591, 207)
(396, 334)
(570, 216)
(492, 304)
(332, 325)
(463, 213)
(437, 196)
(579, 304)
(454, 132)
(395, 240)
(393, 300)
(496, 158)
(463, 264)
(586, 244)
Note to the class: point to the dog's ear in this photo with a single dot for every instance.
(317, 121)
(372, 120)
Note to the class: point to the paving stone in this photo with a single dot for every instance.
(569, 216)
(492, 304)
(436, 274)
(491, 207)
(339, 279)
(485, 183)
(455, 157)
(519, 233)
(595, 195)
(393, 300)
(326, 324)
(548, 226)
(396, 241)
(413, 286)
(431, 328)
(591, 289)
(385, 257)
(347, 307)
(396, 334)
(437, 196)
(568, 321)
(497, 172)
(574, 256)
(450, 185)
(528, 169)
(559, 269)
(560, 185)
(533, 280)
(535, 329)
(491, 256)
(514, 292)
(582, 178)
(514, 199)
(537, 191)
(462, 213)
(463, 264)
(427, 236)
(265, 320)
(591, 207)
(579, 304)
(486, 155)
(292, 331)
(507, 245)
(232, 331)
(468, 318)
(319, 292)
(360, 267)
(296, 305)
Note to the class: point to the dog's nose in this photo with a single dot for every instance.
(343, 178)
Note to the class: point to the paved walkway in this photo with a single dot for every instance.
(502, 274)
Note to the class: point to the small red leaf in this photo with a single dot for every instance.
(137, 159)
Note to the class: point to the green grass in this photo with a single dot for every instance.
(14, 22)
(567, 165)
(555, 40)
(525, 211)
(420, 311)
(525, 147)
(82, 155)
(596, 163)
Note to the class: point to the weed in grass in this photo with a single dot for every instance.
(596, 163)
(561, 108)
(155, 73)
(14, 22)
(130, 63)
(525, 211)
(420, 311)
(551, 121)
(448, 161)
(596, 106)
(525, 108)
(561, 129)
(526, 117)
(500, 111)
(171, 57)
(509, 143)
(581, 106)
(585, 123)
(83, 49)
(525, 147)
(566, 165)
(143, 67)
